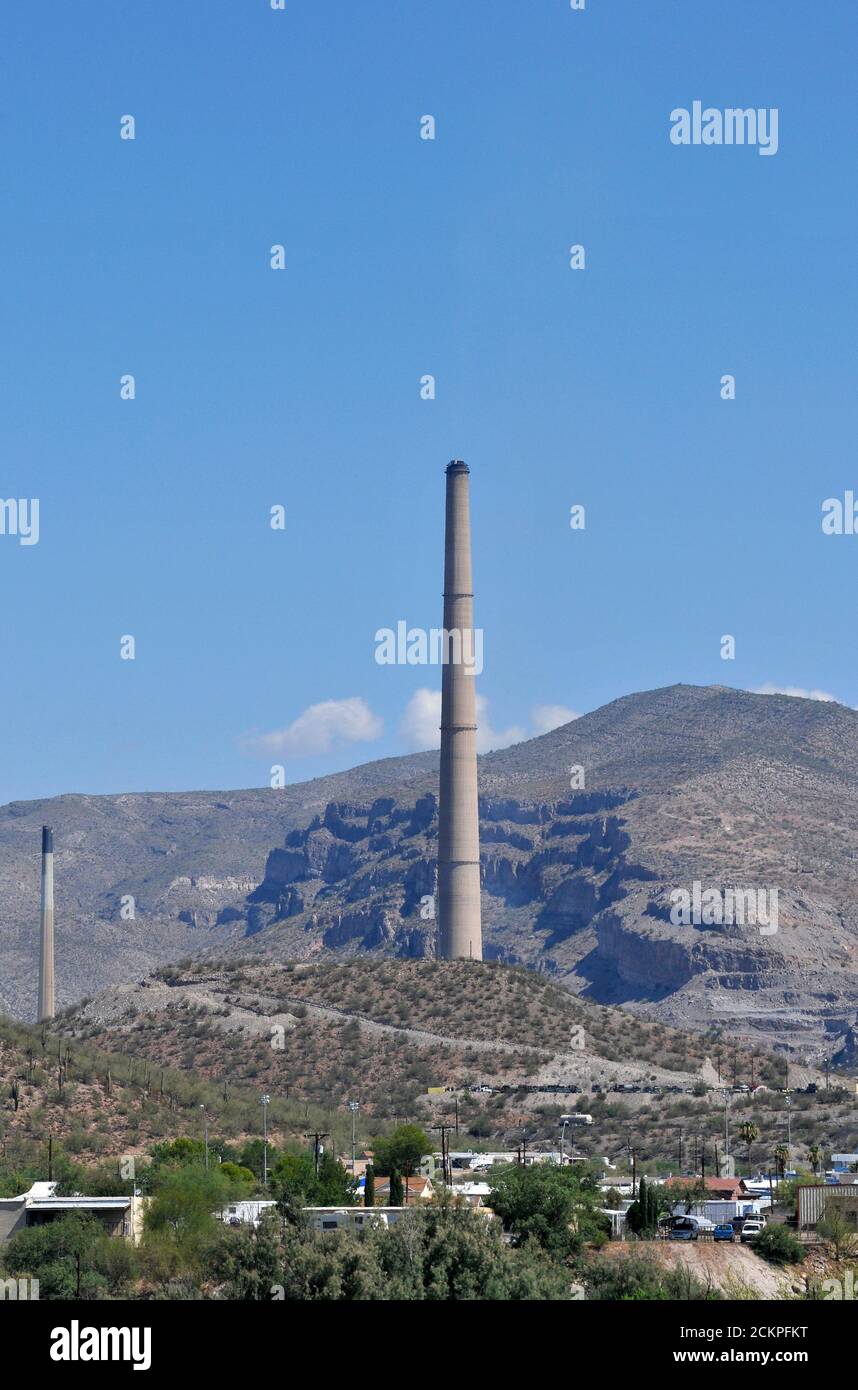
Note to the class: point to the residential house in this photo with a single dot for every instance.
(415, 1189)
(120, 1216)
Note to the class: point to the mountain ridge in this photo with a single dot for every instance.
(681, 783)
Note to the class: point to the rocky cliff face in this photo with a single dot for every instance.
(362, 876)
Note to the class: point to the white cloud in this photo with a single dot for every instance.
(320, 727)
(489, 738)
(769, 689)
(422, 718)
(544, 718)
(421, 722)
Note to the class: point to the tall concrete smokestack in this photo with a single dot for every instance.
(46, 956)
(459, 930)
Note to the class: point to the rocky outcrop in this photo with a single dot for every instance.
(364, 876)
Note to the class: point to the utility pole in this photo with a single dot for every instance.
(265, 1102)
(446, 1165)
(680, 1150)
(789, 1124)
(206, 1131)
(50, 1157)
(354, 1107)
(727, 1124)
(317, 1136)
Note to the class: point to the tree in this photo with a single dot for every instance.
(749, 1134)
(251, 1263)
(369, 1186)
(779, 1245)
(781, 1159)
(335, 1186)
(442, 1251)
(252, 1156)
(548, 1205)
(840, 1233)
(294, 1176)
(451, 1252)
(396, 1192)
(402, 1150)
(814, 1153)
(178, 1153)
(184, 1205)
(50, 1253)
(242, 1179)
(642, 1216)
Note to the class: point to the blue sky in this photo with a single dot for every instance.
(405, 257)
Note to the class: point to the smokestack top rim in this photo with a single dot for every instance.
(457, 466)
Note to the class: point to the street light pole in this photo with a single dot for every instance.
(562, 1136)
(354, 1107)
(206, 1133)
(265, 1101)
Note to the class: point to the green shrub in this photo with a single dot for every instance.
(779, 1246)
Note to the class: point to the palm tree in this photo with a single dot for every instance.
(781, 1158)
(749, 1134)
(814, 1153)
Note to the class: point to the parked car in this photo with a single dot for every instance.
(724, 1232)
(682, 1233)
(751, 1229)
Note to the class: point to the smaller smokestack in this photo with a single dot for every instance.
(46, 955)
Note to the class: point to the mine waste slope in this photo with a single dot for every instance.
(683, 784)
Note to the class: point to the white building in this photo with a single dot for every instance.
(120, 1216)
(844, 1163)
(353, 1218)
(476, 1194)
(246, 1213)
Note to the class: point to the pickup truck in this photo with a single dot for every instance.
(751, 1229)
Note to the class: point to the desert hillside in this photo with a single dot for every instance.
(390, 1033)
